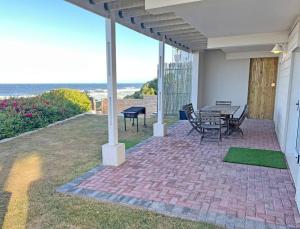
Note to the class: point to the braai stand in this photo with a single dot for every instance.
(133, 113)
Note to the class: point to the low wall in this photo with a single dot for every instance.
(150, 102)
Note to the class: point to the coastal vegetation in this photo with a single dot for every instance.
(149, 88)
(19, 115)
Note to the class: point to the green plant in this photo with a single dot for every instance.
(149, 88)
(24, 114)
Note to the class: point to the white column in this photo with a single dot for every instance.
(113, 153)
(197, 80)
(159, 128)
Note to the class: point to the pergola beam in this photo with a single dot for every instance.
(125, 4)
(100, 1)
(165, 29)
(181, 32)
(157, 17)
(163, 23)
(132, 12)
(189, 35)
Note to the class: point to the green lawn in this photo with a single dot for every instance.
(33, 166)
(259, 157)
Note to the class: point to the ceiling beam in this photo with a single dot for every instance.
(129, 17)
(157, 17)
(189, 35)
(100, 1)
(125, 4)
(191, 40)
(163, 23)
(165, 29)
(180, 32)
(132, 12)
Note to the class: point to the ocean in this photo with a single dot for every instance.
(95, 90)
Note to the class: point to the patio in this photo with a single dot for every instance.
(177, 176)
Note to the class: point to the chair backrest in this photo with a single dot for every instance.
(246, 110)
(191, 116)
(189, 111)
(223, 103)
(210, 117)
(244, 114)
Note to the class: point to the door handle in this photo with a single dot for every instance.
(298, 105)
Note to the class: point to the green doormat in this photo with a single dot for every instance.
(259, 157)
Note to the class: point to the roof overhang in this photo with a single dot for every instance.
(164, 26)
(244, 27)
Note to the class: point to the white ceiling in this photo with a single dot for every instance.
(248, 48)
(217, 18)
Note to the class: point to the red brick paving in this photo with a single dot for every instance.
(178, 170)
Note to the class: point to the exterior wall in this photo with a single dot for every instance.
(284, 87)
(150, 102)
(225, 79)
(197, 80)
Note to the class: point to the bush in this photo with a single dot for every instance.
(25, 114)
(149, 88)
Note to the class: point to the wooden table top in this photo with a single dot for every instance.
(225, 110)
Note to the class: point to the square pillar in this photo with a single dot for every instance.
(159, 128)
(113, 153)
(197, 79)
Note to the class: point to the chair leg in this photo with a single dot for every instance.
(241, 131)
(190, 131)
(201, 139)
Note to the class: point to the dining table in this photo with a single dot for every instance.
(226, 111)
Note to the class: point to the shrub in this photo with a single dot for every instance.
(70, 97)
(149, 88)
(25, 114)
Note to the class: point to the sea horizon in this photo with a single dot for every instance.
(30, 89)
(97, 90)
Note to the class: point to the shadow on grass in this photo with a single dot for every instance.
(4, 202)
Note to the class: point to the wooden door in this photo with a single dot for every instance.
(262, 87)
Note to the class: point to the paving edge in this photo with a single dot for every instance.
(172, 210)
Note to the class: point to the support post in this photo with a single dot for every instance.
(113, 153)
(197, 79)
(159, 128)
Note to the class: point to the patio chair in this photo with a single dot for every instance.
(235, 123)
(192, 118)
(223, 103)
(211, 125)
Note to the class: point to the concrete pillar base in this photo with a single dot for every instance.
(159, 129)
(113, 154)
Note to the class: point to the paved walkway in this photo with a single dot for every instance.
(177, 176)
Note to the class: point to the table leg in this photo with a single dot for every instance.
(137, 124)
(145, 119)
(227, 121)
(125, 123)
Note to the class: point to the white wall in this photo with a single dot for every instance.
(225, 79)
(284, 87)
(286, 114)
(197, 79)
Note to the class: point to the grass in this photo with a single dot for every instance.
(259, 157)
(33, 166)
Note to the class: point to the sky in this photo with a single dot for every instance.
(44, 41)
